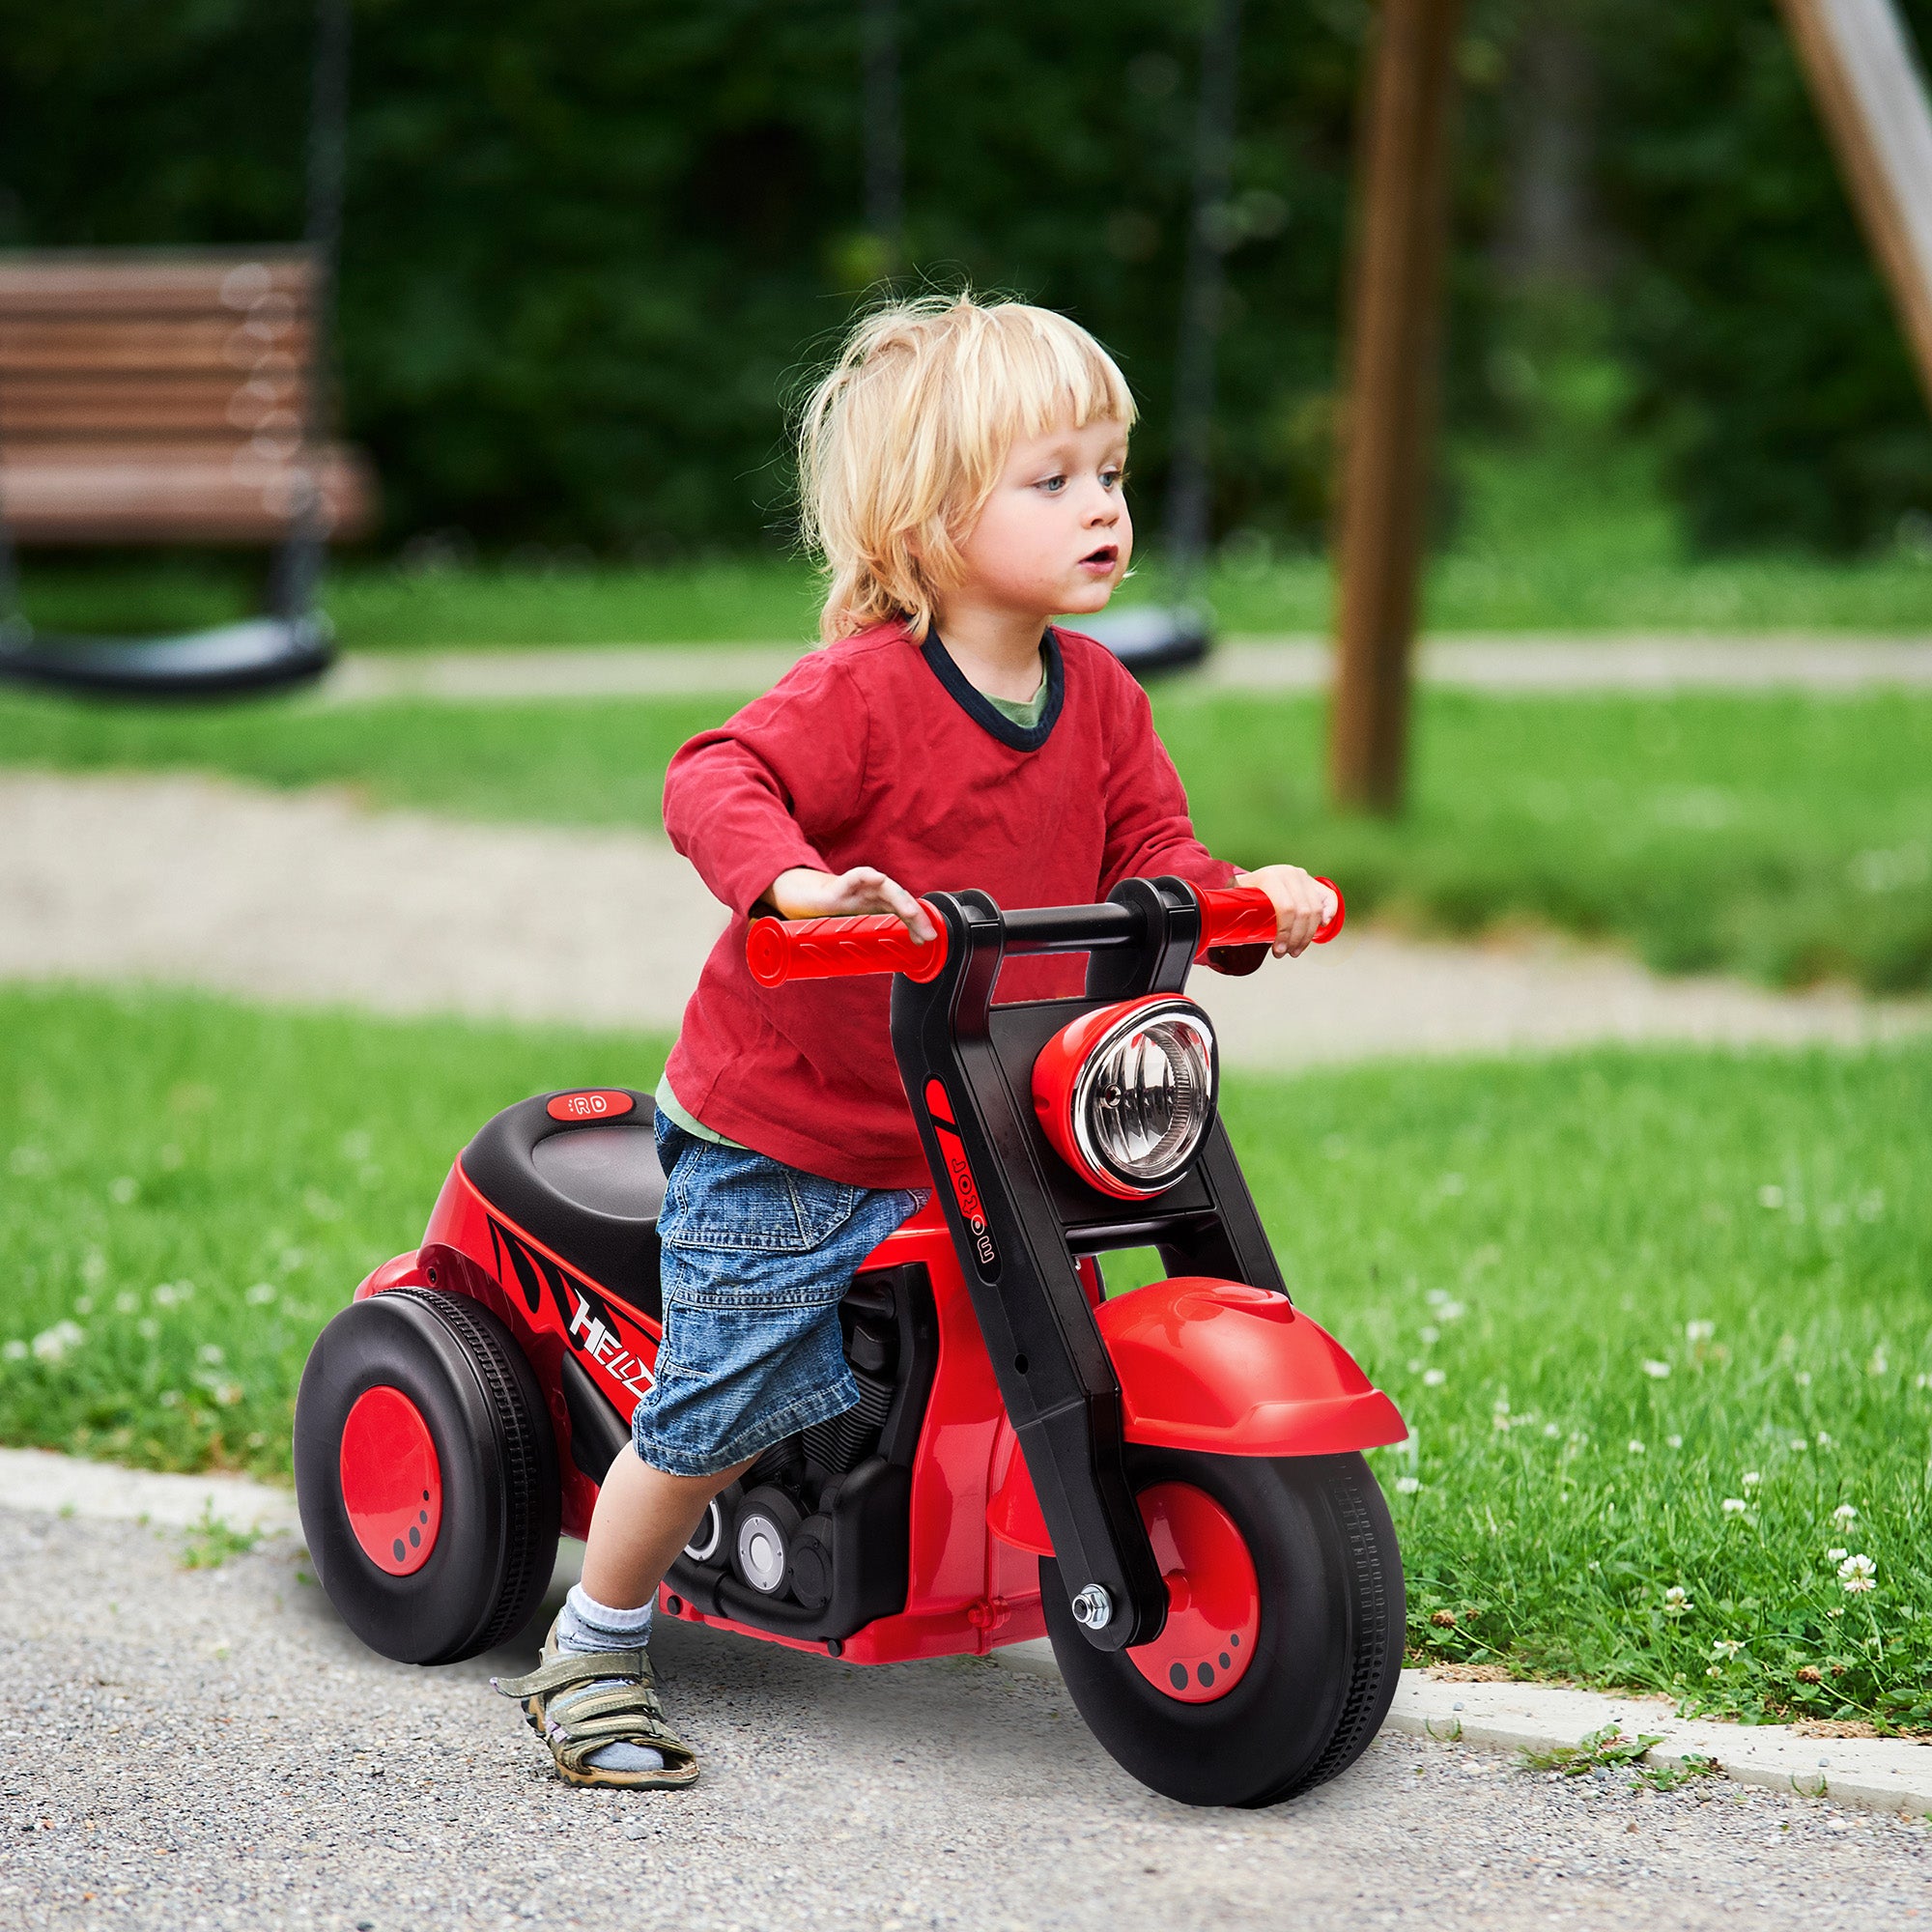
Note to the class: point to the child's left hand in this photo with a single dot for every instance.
(1302, 905)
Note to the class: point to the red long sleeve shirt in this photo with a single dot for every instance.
(878, 751)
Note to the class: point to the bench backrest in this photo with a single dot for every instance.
(202, 349)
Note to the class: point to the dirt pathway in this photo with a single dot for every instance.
(1521, 665)
(301, 897)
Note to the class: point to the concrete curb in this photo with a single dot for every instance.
(1878, 1774)
(1874, 1774)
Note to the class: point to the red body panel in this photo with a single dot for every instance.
(1202, 1364)
(967, 1591)
(1218, 1366)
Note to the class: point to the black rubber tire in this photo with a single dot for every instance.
(496, 1545)
(1328, 1654)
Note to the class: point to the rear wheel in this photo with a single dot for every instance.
(1283, 1643)
(426, 1473)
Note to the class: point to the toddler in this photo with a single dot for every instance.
(963, 467)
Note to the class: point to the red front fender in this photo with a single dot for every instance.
(1220, 1367)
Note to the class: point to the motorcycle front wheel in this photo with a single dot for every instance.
(1284, 1635)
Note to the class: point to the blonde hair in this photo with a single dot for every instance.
(902, 440)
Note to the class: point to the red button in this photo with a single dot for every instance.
(597, 1105)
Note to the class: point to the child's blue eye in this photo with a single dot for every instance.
(1110, 479)
(1053, 483)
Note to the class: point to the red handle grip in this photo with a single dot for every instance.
(1245, 916)
(779, 949)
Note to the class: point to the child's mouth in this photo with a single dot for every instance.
(1104, 558)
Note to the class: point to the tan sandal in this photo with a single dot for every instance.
(577, 1722)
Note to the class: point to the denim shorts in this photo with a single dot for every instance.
(756, 1257)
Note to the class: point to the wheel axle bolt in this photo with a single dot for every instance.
(1093, 1607)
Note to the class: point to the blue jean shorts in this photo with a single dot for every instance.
(756, 1257)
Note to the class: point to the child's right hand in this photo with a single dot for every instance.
(803, 893)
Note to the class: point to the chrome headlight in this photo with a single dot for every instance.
(1126, 1093)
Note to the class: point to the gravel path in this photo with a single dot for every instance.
(301, 897)
(212, 1748)
(1632, 662)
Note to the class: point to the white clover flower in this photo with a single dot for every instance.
(1803, 1378)
(1654, 1370)
(1699, 1331)
(1844, 1513)
(1552, 1430)
(15, 1351)
(50, 1344)
(1735, 1506)
(1436, 1297)
(1451, 1310)
(1725, 1648)
(1752, 1479)
(125, 1303)
(1836, 1555)
(1856, 1574)
(166, 1295)
(122, 1190)
(260, 1295)
(1799, 1445)
(1429, 1334)
(1770, 1196)
(1433, 1378)
(1824, 1440)
(209, 1353)
(1673, 1441)
(1635, 1447)
(1406, 1486)
(1677, 1602)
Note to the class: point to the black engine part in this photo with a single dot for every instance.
(836, 1499)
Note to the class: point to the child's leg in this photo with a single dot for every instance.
(644, 1517)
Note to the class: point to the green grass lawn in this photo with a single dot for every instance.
(1779, 835)
(1658, 1320)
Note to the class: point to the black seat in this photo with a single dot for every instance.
(588, 1189)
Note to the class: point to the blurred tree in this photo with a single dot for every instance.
(1746, 300)
(592, 248)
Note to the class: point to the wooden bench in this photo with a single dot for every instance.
(160, 397)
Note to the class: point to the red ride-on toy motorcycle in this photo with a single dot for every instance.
(1170, 1485)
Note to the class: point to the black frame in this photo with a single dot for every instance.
(1036, 1216)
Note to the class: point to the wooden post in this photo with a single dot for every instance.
(1870, 94)
(1388, 426)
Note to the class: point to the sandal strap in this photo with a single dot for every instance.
(577, 1666)
(617, 1700)
(626, 1714)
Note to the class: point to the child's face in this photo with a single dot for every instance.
(1054, 534)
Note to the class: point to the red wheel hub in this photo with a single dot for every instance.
(391, 1481)
(1213, 1602)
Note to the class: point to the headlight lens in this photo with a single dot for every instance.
(1140, 1096)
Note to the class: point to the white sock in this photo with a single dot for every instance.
(586, 1627)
